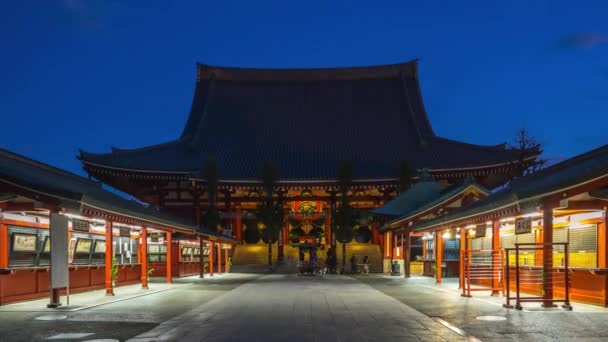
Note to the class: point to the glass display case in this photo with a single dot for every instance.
(125, 250)
(157, 253)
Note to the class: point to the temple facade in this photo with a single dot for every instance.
(306, 122)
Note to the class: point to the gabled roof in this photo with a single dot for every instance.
(555, 179)
(306, 121)
(422, 197)
(76, 192)
(422, 192)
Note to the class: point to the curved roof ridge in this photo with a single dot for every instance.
(408, 68)
(123, 151)
(498, 147)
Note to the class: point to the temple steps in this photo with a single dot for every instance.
(253, 258)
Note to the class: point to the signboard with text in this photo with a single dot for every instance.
(480, 230)
(523, 226)
(126, 232)
(80, 225)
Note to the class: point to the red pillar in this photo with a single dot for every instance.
(388, 245)
(239, 224)
(406, 253)
(3, 246)
(226, 261)
(496, 258)
(144, 257)
(548, 255)
(602, 245)
(109, 258)
(286, 239)
(462, 248)
(211, 251)
(438, 256)
(169, 243)
(219, 258)
(201, 257)
(328, 231)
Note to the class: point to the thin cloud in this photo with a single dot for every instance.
(583, 40)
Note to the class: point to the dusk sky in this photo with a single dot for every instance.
(94, 74)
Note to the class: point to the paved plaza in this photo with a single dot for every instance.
(288, 307)
(281, 307)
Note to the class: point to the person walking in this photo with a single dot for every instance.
(366, 265)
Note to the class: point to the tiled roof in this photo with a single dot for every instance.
(74, 191)
(306, 121)
(579, 169)
(422, 192)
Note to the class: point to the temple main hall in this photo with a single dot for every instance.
(306, 122)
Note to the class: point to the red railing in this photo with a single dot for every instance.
(534, 280)
(483, 271)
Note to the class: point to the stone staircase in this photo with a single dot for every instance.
(253, 258)
(249, 268)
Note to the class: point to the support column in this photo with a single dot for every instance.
(602, 246)
(239, 224)
(407, 253)
(462, 248)
(496, 259)
(211, 251)
(226, 261)
(285, 228)
(328, 231)
(144, 257)
(219, 258)
(548, 255)
(201, 244)
(281, 239)
(3, 246)
(169, 243)
(438, 256)
(375, 239)
(109, 258)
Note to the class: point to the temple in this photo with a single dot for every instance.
(304, 121)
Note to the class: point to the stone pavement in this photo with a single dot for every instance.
(88, 299)
(584, 323)
(289, 307)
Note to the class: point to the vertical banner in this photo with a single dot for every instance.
(59, 255)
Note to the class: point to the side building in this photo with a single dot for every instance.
(110, 241)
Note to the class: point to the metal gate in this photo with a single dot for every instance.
(538, 286)
(482, 270)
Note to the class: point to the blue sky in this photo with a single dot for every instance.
(94, 74)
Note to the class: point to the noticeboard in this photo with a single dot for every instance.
(23, 242)
(100, 246)
(523, 225)
(480, 230)
(80, 225)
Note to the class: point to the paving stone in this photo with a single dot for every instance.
(286, 307)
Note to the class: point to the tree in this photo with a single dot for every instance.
(270, 212)
(405, 176)
(343, 218)
(527, 152)
(212, 175)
